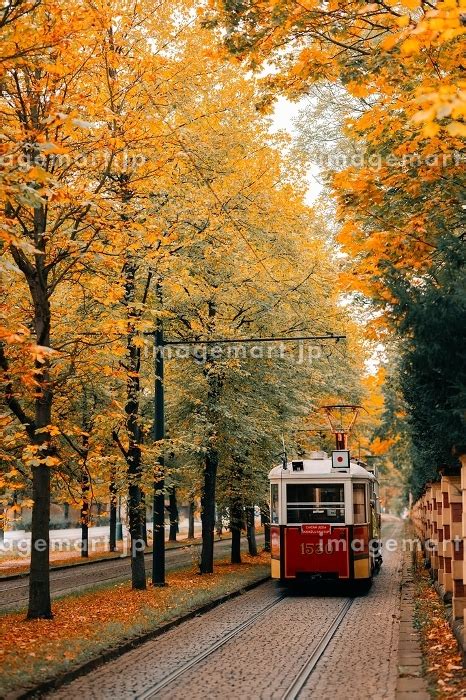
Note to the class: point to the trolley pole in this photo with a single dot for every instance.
(158, 541)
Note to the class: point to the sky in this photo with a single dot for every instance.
(285, 112)
(282, 118)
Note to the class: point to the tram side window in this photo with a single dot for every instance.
(315, 503)
(359, 503)
(274, 503)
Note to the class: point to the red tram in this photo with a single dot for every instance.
(325, 520)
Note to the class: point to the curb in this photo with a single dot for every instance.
(108, 655)
(411, 683)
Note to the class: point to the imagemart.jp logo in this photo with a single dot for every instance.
(298, 353)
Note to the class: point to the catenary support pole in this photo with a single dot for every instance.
(158, 553)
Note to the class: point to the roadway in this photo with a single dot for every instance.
(14, 593)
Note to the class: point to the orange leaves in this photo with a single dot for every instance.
(389, 42)
(20, 335)
(358, 89)
(42, 354)
(410, 46)
(440, 26)
(33, 456)
(456, 129)
(38, 174)
(449, 101)
(380, 447)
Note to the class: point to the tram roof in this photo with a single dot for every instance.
(318, 468)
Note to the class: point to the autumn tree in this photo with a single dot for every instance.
(237, 277)
(399, 192)
(64, 198)
(51, 225)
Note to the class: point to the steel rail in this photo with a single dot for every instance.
(153, 691)
(300, 680)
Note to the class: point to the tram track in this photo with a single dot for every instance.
(301, 679)
(158, 687)
(298, 683)
(161, 689)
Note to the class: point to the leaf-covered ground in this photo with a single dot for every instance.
(447, 678)
(85, 625)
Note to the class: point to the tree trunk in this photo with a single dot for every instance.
(158, 555)
(208, 511)
(138, 571)
(173, 512)
(39, 577)
(2, 523)
(236, 521)
(214, 382)
(133, 453)
(113, 512)
(251, 531)
(158, 431)
(265, 520)
(144, 517)
(191, 512)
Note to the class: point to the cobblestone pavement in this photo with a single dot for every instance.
(360, 662)
(261, 661)
(15, 593)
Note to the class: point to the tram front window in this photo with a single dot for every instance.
(315, 503)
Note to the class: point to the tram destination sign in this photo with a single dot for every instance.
(315, 529)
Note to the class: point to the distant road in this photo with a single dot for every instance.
(69, 539)
(14, 593)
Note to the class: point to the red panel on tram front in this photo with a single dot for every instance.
(316, 549)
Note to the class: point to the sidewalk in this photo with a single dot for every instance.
(411, 683)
